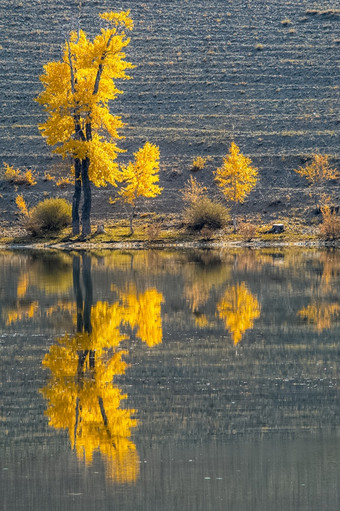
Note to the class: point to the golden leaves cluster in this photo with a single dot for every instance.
(82, 397)
(318, 170)
(238, 308)
(141, 177)
(236, 178)
(76, 96)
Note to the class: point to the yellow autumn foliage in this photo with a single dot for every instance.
(238, 308)
(141, 177)
(142, 311)
(87, 404)
(81, 395)
(318, 170)
(236, 178)
(21, 312)
(21, 204)
(76, 96)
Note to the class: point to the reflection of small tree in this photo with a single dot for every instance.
(317, 172)
(236, 178)
(140, 178)
(238, 309)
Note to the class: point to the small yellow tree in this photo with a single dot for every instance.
(140, 178)
(236, 178)
(317, 172)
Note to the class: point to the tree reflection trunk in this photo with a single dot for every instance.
(83, 309)
(87, 280)
(78, 292)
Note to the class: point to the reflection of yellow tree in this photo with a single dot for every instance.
(321, 315)
(52, 274)
(83, 400)
(80, 393)
(142, 311)
(238, 309)
(330, 270)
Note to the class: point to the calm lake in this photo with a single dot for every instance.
(159, 380)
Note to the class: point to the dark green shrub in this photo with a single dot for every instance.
(206, 213)
(50, 215)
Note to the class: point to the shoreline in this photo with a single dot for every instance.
(161, 245)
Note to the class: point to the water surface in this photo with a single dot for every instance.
(153, 380)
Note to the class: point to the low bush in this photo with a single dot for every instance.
(50, 215)
(247, 230)
(153, 231)
(19, 177)
(198, 163)
(330, 226)
(206, 213)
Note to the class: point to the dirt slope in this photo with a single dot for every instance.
(262, 72)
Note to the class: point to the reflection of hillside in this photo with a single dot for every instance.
(48, 275)
(21, 312)
(193, 386)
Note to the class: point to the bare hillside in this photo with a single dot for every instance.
(264, 73)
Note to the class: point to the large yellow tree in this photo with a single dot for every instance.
(236, 178)
(76, 96)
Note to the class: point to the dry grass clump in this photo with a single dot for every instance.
(153, 231)
(330, 226)
(201, 211)
(206, 213)
(247, 230)
(198, 163)
(326, 12)
(17, 176)
(63, 182)
(50, 215)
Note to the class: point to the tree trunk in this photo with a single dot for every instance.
(131, 220)
(76, 197)
(86, 211)
(131, 224)
(234, 223)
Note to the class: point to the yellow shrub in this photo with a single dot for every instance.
(20, 202)
(19, 177)
(29, 178)
(247, 230)
(48, 177)
(63, 181)
(330, 227)
(198, 163)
